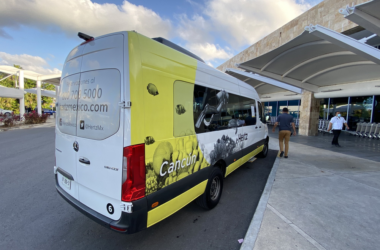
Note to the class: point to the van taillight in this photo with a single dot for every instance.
(134, 167)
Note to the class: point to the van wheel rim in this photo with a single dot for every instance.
(215, 188)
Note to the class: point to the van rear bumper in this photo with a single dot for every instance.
(128, 223)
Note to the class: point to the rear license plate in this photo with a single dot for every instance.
(66, 182)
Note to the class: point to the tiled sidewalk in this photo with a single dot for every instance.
(322, 199)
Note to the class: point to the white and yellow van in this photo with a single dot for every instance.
(145, 127)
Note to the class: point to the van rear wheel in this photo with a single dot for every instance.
(210, 198)
(264, 153)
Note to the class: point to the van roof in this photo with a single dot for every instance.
(177, 47)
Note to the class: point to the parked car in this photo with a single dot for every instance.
(5, 113)
(48, 111)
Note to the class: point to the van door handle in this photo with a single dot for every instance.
(256, 127)
(260, 127)
(84, 160)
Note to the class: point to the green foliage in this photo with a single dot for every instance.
(30, 99)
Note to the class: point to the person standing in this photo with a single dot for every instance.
(285, 123)
(336, 123)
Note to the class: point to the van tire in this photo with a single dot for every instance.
(264, 153)
(210, 198)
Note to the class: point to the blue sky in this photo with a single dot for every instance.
(39, 34)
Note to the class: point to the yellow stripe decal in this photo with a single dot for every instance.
(232, 167)
(172, 206)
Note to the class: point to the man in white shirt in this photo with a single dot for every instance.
(336, 124)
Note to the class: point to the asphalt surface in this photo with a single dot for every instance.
(34, 216)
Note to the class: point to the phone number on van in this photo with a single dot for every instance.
(86, 94)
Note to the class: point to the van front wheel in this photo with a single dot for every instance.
(210, 198)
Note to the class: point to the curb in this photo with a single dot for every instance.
(27, 127)
(254, 227)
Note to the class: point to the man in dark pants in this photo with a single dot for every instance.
(285, 123)
(336, 124)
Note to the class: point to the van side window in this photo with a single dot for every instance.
(235, 112)
(249, 110)
(210, 109)
(261, 112)
(183, 109)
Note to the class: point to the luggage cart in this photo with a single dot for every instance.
(358, 128)
(356, 131)
(367, 129)
(320, 125)
(372, 131)
(362, 129)
(376, 134)
(325, 127)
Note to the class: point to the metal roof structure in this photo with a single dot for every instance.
(322, 61)
(44, 92)
(19, 93)
(11, 92)
(267, 88)
(51, 78)
(367, 15)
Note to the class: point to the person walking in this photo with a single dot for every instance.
(336, 123)
(285, 123)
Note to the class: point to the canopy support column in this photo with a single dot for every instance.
(309, 114)
(39, 97)
(21, 87)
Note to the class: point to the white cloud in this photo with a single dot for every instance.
(231, 23)
(243, 22)
(28, 62)
(237, 22)
(208, 51)
(91, 18)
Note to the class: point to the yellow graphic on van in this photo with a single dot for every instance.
(152, 89)
(173, 160)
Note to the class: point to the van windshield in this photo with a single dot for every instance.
(88, 104)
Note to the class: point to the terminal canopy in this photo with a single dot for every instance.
(367, 15)
(267, 88)
(322, 61)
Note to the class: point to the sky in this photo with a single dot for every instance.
(39, 34)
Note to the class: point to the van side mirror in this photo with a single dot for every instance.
(253, 111)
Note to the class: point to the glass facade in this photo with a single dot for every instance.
(376, 110)
(273, 109)
(294, 109)
(338, 104)
(354, 109)
(360, 110)
(324, 108)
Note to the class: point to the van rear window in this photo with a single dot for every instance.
(88, 105)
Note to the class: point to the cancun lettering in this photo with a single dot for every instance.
(178, 164)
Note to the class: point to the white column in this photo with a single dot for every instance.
(21, 87)
(39, 97)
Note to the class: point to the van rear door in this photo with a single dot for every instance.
(99, 125)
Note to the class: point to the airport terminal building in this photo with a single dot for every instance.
(323, 61)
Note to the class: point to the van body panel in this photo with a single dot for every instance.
(98, 135)
(90, 115)
(172, 206)
(136, 90)
(72, 67)
(77, 51)
(103, 53)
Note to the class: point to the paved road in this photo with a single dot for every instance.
(34, 216)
